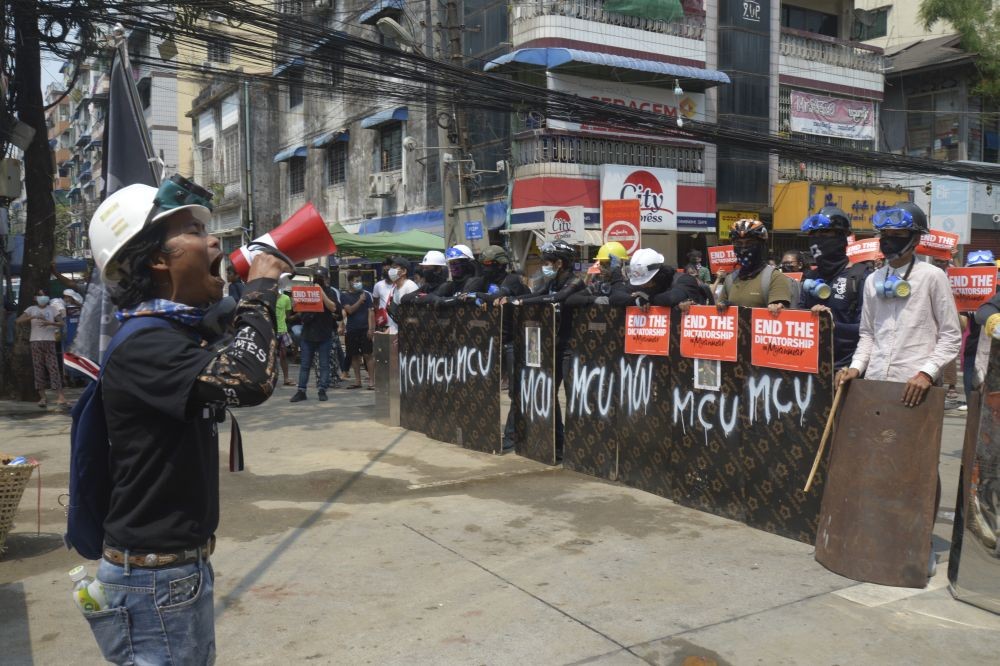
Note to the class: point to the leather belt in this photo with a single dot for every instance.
(159, 560)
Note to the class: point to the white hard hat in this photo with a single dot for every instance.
(71, 293)
(460, 252)
(121, 217)
(434, 258)
(644, 265)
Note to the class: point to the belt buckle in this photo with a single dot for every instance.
(151, 560)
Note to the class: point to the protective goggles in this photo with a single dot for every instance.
(816, 222)
(893, 218)
(548, 246)
(980, 258)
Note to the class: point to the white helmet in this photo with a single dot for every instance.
(434, 258)
(644, 265)
(459, 252)
(121, 217)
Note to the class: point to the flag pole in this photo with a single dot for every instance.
(136, 105)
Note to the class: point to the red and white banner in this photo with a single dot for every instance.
(832, 116)
(654, 189)
(972, 286)
(647, 331)
(938, 244)
(866, 249)
(306, 298)
(620, 222)
(722, 258)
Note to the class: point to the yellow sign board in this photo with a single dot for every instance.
(727, 217)
(794, 202)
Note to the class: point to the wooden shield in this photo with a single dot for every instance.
(878, 508)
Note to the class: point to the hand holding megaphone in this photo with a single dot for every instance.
(301, 237)
(268, 262)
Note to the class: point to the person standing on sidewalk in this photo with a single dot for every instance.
(318, 329)
(46, 322)
(282, 307)
(909, 323)
(360, 309)
(164, 393)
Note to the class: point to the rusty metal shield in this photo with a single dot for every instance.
(878, 507)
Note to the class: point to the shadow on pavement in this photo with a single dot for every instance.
(16, 641)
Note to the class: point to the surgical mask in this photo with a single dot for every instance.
(393, 274)
(357, 285)
(893, 247)
(750, 256)
(830, 253)
(548, 271)
(42, 300)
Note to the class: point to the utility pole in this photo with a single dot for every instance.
(451, 49)
(250, 223)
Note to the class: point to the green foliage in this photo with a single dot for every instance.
(63, 220)
(978, 24)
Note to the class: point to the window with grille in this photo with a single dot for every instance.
(389, 148)
(294, 87)
(231, 156)
(297, 175)
(207, 155)
(336, 163)
(219, 51)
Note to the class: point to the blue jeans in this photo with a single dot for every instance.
(156, 616)
(308, 349)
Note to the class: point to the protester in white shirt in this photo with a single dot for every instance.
(401, 286)
(907, 334)
(46, 321)
(380, 292)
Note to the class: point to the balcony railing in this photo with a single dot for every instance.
(820, 172)
(572, 149)
(691, 26)
(820, 48)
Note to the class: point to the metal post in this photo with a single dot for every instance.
(251, 222)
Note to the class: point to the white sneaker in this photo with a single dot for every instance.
(963, 408)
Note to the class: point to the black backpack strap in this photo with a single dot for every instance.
(856, 276)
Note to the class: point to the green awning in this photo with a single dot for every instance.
(413, 243)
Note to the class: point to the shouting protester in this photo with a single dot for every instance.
(837, 287)
(164, 393)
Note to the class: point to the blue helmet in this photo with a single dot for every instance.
(903, 215)
(830, 217)
(980, 258)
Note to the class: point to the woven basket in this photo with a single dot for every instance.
(13, 479)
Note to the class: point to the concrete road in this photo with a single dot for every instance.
(346, 542)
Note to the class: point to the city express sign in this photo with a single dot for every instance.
(655, 189)
(794, 202)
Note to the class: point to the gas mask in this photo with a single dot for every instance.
(817, 289)
(892, 287)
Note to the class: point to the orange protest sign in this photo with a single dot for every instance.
(972, 286)
(789, 341)
(707, 334)
(797, 276)
(647, 332)
(938, 244)
(722, 258)
(306, 298)
(866, 249)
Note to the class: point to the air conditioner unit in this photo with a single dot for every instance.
(381, 185)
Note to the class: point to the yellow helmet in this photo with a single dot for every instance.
(612, 249)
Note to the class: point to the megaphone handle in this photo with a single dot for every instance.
(273, 251)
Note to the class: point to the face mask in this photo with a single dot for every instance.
(42, 300)
(830, 253)
(548, 271)
(393, 274)
(357, 285)
(790, 268)
(750, 257)
(893, 247)
(433, 276)
(456, 269)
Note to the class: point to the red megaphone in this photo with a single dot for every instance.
(302, 236)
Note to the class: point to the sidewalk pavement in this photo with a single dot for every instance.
(347, 542)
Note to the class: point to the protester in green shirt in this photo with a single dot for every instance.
(747, 286)
(281, 309)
